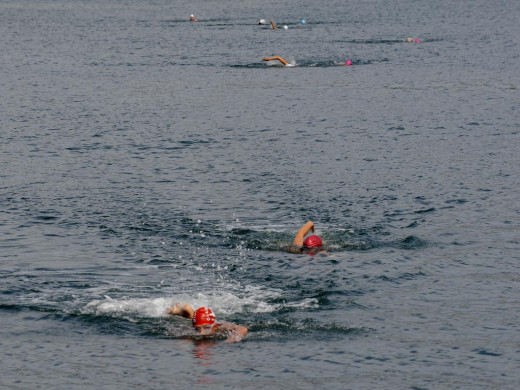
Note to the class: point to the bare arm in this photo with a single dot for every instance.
(181, 309)
(236, 332)
(278, 58)
(298, 240)
(273, 25)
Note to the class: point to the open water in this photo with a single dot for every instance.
(147, 160)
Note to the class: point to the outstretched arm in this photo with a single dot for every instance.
(273, 25)
(275, 58)
(298, 240)
(236, 332)
(181, 309)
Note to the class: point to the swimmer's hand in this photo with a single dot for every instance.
(181, 309)
(174, 309)
(236, 333)
(266, 59)
(234, 338)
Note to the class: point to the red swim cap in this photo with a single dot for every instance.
(203, 316)
(313, 242)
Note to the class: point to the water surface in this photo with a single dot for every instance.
(147, 160)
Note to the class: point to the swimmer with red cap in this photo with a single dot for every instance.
(204, 322)
(312, 244)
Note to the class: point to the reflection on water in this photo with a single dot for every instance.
(202, 351)
(205, 358)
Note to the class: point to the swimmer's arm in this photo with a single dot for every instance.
(278, 58)
(298, 240)
(273, 25)
(181, 309)
(236, 332)
(294, 249)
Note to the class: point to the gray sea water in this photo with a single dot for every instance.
(147, 160)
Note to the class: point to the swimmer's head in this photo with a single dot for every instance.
(417, 40)
(261, 21)
(203, 316)
(313, 242)
(285, 27)
(348, 63)
(303, 21)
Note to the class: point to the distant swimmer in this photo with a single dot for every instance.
(193, 18)
(312, 244)
(204, 322)
(416, 40)
(277, 58)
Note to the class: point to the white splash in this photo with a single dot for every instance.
(252, 300)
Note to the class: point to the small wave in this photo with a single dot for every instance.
(482, 351)
(424, 211)
(400, 278)
(381, 41)
(286, 327)
(22, 307)
(456, 201)
(255, 65)
(46, 218)
(307, 64)
(410, 242)
(371, 41)
(206, 22)
(407, 243)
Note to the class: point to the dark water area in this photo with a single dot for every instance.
(146, 160)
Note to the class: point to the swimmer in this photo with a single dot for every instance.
(410, 40)
(277, 58)
(312, 244)
(193, 18)
(204, 322)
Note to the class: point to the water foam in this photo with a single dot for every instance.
(252, 300)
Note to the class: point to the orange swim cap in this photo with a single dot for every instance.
(313, 242)
(203, 316)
